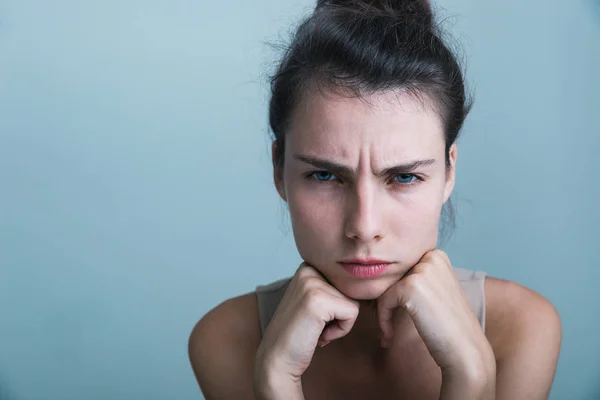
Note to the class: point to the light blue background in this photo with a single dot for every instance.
(136, 193)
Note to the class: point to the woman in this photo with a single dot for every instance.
(366, 107)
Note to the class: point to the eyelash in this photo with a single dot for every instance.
(311, 176)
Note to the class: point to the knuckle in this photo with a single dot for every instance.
(440, 255)
(433, 255)
(428, 266)
(413, 283)
(433, 260)
(426, 269)
(305, 270)
(309, 283)
(314, 299)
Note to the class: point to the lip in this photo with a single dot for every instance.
(365, 267)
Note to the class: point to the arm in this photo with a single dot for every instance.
(223, 353)
(525, 331)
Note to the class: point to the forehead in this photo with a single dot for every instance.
(386, 122)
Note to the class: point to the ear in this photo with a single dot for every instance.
(450, 172)
(277, 170)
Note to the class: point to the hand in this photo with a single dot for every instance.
(431, 294)
(312, 312)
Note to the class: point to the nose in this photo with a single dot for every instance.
(364, 211)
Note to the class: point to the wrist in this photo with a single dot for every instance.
(472, 377)
(271, 384)
(454, 388)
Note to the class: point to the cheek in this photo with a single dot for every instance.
(312, 213)
(413, 221)
(416, 218)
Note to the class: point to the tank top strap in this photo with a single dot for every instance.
(473, 285)
(268, 298)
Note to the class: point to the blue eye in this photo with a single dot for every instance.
(322, 176)
(405, 178)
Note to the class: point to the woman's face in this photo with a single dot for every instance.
(344, 204)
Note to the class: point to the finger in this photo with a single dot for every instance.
(335, 330)
(345, 314)
(386, 305)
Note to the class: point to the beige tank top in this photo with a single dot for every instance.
(472, 282)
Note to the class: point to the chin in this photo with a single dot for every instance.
(364, 289)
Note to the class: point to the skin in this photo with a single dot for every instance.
(360, 212)
(364, 215)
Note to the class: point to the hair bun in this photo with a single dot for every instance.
(419, 10)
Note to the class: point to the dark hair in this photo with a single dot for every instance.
(357, 47)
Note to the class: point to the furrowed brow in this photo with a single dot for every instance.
(344, 170)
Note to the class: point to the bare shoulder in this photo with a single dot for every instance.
(513, 308)
(222, 347)
(524, 329)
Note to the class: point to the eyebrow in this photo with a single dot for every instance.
(344, 170)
